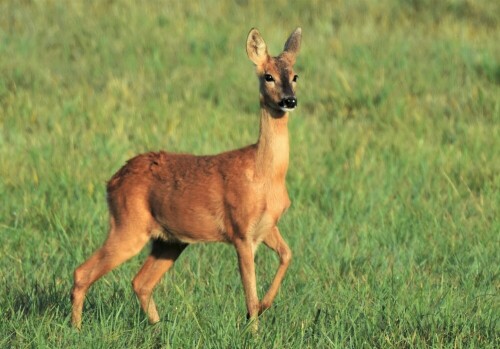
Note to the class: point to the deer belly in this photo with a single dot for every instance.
(192, 224)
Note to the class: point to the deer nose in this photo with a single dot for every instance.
(289, 102)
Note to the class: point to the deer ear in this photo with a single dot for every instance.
(256, 47)
(292, 45)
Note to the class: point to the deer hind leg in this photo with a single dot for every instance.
(275, 242)
(123, 242)
(161, 259)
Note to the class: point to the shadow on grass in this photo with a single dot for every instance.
(53, 301)
(36, 300)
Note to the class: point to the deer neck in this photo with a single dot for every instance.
(273, 145)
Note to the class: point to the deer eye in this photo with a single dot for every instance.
(295, 77)
(268, 77)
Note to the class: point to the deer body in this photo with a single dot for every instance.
(179, 199)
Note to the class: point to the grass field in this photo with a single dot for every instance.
(394, 169)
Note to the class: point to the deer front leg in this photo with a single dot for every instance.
(275, 242)
(246, 264)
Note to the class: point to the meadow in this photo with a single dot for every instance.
(394, 169)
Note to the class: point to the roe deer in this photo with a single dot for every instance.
(179, 199)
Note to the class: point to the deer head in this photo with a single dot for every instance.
(276, 76)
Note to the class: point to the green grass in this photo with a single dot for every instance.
(394, 172)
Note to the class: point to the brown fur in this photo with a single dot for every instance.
(178, 199)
